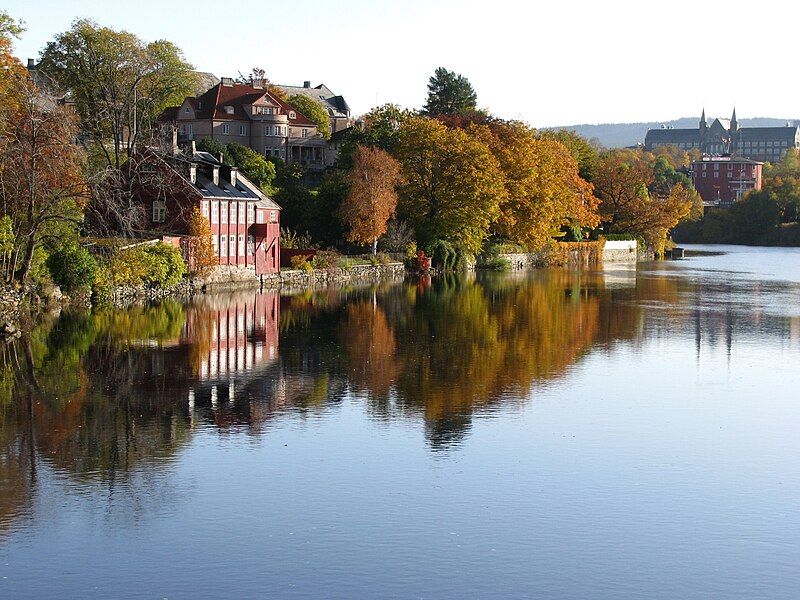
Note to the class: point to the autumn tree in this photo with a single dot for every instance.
(453, 184)
(372, 197)
(119, 83)
(631, 203)
(201, 248)
(42, 188)
(314, 111)
(449, 93)
(543, 189)
(582, 150)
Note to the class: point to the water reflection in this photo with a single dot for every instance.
(104, 396)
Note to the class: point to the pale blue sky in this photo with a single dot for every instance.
(552, 63)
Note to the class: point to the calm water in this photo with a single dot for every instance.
(618, 434)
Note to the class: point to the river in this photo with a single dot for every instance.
(624, 433)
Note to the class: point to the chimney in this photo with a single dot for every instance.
(306, 84)
(234, 176)
(215, 174)
(31, 63)
(193, 173)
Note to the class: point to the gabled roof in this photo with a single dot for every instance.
(211, 105)
(673, 135)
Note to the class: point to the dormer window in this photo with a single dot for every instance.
(292, 114)
(228, 110)
(186, 110)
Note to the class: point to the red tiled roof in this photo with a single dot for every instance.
(214, 101)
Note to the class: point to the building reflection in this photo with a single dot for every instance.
(105, 395)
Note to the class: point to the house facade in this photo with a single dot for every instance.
(722, 180)
(250, 115)
(725, 136)
(245, 223)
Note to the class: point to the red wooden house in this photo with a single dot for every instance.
(245, 222)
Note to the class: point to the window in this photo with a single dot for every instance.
(242, 129)
(232, 245)
(215, 212)
(730, 174)
(204, 208)
(233, 213)
(186, 110)
(226, 129)
(242, 208)
(266, 130)
(292, 114)
(251, 245)
(159, 211)
(223, 245)
(305, 133)
(704, 173)
(250, 213)
(190, 129)
(241, 245)
(260, 216)
(278, 130)
(223, 209)
(228, 110)
(273, 216)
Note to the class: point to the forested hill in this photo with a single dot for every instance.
(616, 135)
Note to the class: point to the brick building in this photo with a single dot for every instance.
(722, 180)
(725, 136)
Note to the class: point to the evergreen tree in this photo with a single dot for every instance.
(449, 94)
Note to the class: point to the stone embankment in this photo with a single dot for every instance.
(240, 277)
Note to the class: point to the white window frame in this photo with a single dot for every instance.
(223, 212)
(260, 216)
(226, 128)
(273, 216)
(223, 245)
(232, 245)
(250, 212)
(233, 213)
(241, 245)
(242, 212)
(242, 129)
(159, 211)
(215, 212)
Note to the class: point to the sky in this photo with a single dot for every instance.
(550, 63)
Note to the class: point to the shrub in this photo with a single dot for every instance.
(165, 265)
(301, 262)
(326, 259)
(291, 240)
(72, 267)
(158, 265)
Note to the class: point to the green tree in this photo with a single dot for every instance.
(453, 184)
(754, 216)
(214, 147)
(379, 128)
(255, 167)
(119, 83)
(314, 111)
(449, 93)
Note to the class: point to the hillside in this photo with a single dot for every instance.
(616, 135)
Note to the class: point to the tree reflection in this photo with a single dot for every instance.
(102, 396)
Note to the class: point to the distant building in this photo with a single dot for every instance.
(250, 115)
(727, 137)
(722, 180)
(335, 105)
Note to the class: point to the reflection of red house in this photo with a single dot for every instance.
(234, 335)
(245, 223)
